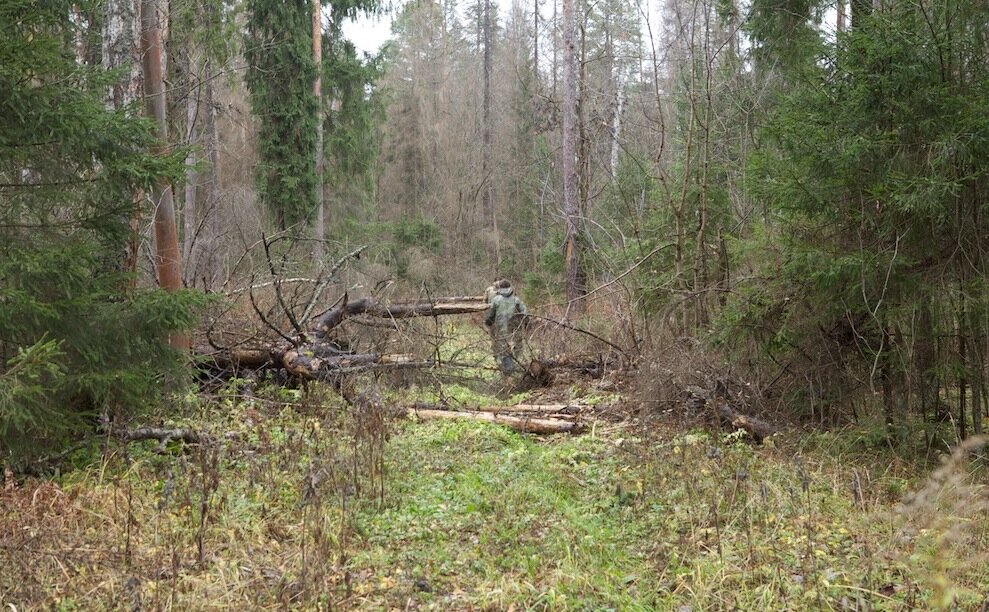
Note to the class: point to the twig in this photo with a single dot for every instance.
(269, 284)
(257, 311)
(326, 281)
(569, 326)
(278, 289)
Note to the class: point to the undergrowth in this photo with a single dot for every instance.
(305, 501)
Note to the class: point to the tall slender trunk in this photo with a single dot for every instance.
(555, 46)
(211, 187)
(189, 210)
(535, 45)
(166, 236)
(977, 370)
(317, 89)
(616, 125)
(925, 358)
(962, 356)
(571, 210)
(700, 238)
(121, 47)
(488, 206)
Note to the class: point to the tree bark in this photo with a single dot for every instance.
(189, 209)
(571, 205)
(121, 47)
(166, 235)
(211, 187)
(392, 311)
(317, 58)
(491, 217)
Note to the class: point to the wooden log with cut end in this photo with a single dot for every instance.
(757, 428)
(522, 424)
(235, 359)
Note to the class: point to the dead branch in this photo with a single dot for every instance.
(535, 408)
(579, 330)
(253, 359)
(356, 253)
(278, 286)
(311, 281)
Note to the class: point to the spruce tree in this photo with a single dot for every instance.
(280, 79)
(75, 340)
(875, 172)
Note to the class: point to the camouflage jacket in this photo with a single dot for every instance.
(504, 308)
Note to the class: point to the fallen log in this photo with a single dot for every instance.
(533, 408)
(521, 424)
(235, 359)
(368, 306)
(163, 436)
(308, 366)
(757, 428)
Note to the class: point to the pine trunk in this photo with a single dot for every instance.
(166, 235)
(317, 89)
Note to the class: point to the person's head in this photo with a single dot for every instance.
(504, 284)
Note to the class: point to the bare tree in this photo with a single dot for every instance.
(488, 190)
(121, 23)
(317, 90)
(571, 205)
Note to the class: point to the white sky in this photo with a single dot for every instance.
(369, 33)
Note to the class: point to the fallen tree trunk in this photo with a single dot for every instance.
(311, 356)
(236, 359)
(757, 428)
(163, 436)
(521, 424)
(533, 408)
(369, 306)
(311, 368)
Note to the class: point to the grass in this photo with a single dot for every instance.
(489, 518)
(310, 504)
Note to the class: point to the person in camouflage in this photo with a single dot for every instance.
(505, 316)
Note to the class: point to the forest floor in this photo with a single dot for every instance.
(307, 501)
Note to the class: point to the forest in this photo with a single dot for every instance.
(538, 305)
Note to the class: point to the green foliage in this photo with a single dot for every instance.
(348, 82)
(74, 341)
(280, 75)
(784, 33)
(419, 232)
(874, 170)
